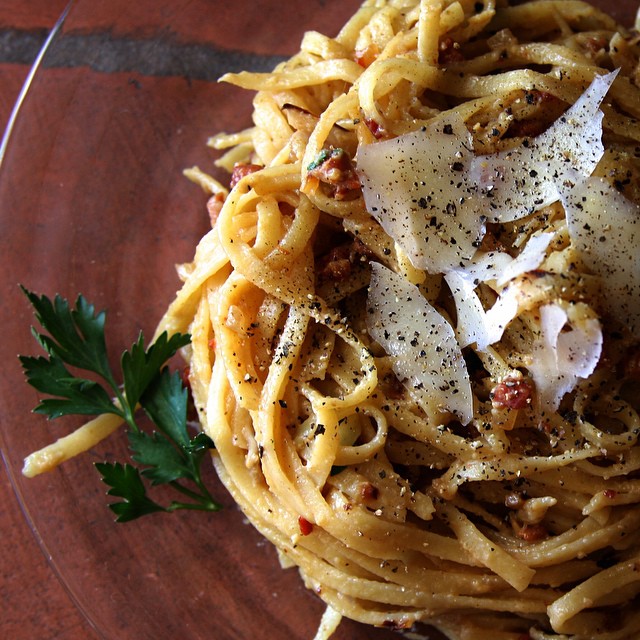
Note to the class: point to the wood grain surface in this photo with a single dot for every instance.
(33, 602)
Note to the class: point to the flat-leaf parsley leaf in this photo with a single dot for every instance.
(169, 455)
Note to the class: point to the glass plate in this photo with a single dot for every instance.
(93, 201)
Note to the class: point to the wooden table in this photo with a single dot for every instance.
(33, 603)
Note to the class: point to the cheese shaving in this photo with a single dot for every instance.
(568, 348)
(605, 228)
(520, 181)
(426, 356)
(422, 189)
(417, 187)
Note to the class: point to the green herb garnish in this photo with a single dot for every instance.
(323, 156)
(169, 455)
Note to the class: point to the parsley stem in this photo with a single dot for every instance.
(124, 408)
(208, 506)
(203, 498)
(130, 420)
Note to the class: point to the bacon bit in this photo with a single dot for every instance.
(305, 526)
(610, 494)
(212, 344)
(336, 265)
(369, 491)
(214, 207)
(512, 393)
(242, 169)
(450, 51)
(532, 533)
(184, 376)
(334, 167)
(364, 57)
(595, 44)
(376, 128)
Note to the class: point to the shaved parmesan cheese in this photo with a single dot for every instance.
(501, 267)
(475, 325)
(433, 196)
(426, 356)
(566, 350)
(605, 228)
(416, 186)
(528, 259)
(520, 181)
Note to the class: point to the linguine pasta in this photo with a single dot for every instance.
(414, 320)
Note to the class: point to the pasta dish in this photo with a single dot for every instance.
(415, 321)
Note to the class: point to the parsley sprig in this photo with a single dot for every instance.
(76, 340)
